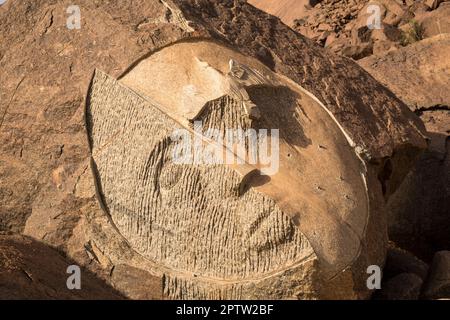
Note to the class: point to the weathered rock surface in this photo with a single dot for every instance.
(286, 10)
(435, 22)
(48, 189)
(32, 270)
(352, 27)
(433, 4)
(136, 283)
(256, 239)
(419, 210)
(420, 75)
(400, 261)
(438, 283)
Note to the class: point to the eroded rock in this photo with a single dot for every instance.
(48, 189)
(419, 211)
(417, 74)
(286, 10)
(400, 261)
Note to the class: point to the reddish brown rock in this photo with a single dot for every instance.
(47, 188)
(420, 75)
(417, 74)
(435, 22)
(433, 4)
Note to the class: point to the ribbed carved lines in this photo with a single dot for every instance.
(189, 218)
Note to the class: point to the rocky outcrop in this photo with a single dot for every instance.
(410, 58)
(360, 28)
(199, 221)
(330, 24)
(420, 75)
(287, 10)
(404, 276)
(438, 284)
(405, 286)
(418, 219)
(329, 112)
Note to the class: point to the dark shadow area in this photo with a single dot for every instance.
(280, 110)
(419, 211)
(30, 269)
(252, 179)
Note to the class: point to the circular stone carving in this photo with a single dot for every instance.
(190, 218)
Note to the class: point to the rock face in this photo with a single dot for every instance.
(418, 219)
(286, 10)
(252, 235)
(176, 215)
(405, 286)
(403, 276)
(435, 22)
(417, 74)
(420, 75)
(114, 203)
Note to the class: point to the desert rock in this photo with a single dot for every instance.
(417, 74)
(85, 204)
(401, 261)
(420, 75)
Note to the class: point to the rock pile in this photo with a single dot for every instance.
(350, 27)
(287, 10)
